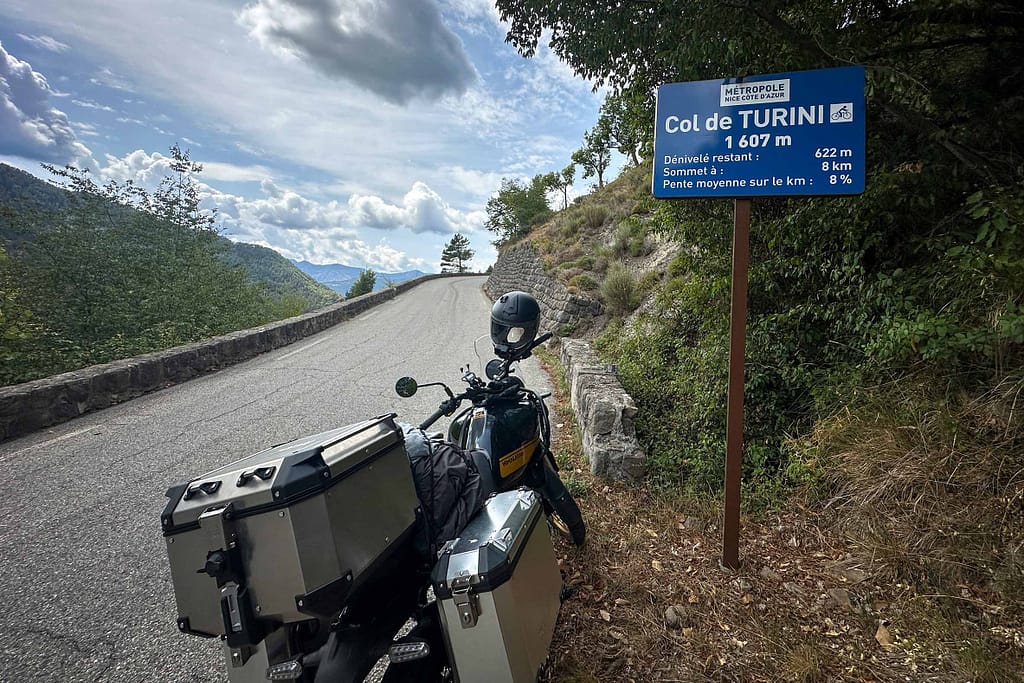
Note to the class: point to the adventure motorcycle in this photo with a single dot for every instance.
(307, 558)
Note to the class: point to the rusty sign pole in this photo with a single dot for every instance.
(737, 354)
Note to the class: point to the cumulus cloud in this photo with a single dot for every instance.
(45, 42)
(397, 49)
(421, 210)
(30, 126)
(142, 168)
(303, 227)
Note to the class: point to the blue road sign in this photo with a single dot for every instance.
(798, 133)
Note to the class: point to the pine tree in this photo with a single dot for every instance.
(364, 284)
(455, 255)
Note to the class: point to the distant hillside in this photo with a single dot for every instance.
(20, 191)
(278, 274)
(340, 277)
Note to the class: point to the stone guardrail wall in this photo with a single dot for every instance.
(519, 268)
(33, 405)
(605, 413)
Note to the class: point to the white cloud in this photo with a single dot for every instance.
(107, 78)
(422, 210)
(397, 49)
(89, 104)
(218, 170)
(85, 129)
(45, 42)
(30, 126)
(142, 168)
(472, 181)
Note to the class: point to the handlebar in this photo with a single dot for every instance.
(450, 405)
(443, 410)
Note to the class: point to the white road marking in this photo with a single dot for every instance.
(307, 346)
(50, 442)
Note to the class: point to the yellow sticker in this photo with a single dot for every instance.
(511, 462)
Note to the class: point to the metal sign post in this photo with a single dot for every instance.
(737, 356)
(775, 135)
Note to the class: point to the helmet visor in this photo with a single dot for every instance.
(515, 335)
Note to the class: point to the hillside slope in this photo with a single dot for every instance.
(21, 191)
(279, 275)
(883, 447)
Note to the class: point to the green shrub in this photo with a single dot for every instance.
(594, 215)
(630, 237)
(583, 281)
(619, 290)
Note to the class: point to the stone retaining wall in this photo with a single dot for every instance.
(519, 268)
(33, 405)
(605, 413)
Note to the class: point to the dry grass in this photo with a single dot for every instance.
(807, 604)
(934, 493)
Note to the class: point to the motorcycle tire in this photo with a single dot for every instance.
(562, 511)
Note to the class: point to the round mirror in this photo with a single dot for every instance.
(406, 387)
(493, 369)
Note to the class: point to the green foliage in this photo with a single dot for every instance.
(518, 207)
(364, 284)
(925, 270)
(595, 154)
(627, 117)
(566, 329)
(630, 237)
(583, 281)
(618, 290)
(455, 255)
(562, 181)
(117, 271)
(279, 276)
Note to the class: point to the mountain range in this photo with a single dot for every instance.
(340, 277)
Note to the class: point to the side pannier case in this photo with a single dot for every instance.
(499, 590)
(287, 534)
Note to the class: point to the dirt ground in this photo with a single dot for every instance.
(649, 600)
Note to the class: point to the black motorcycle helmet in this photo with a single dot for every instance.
(514, 320)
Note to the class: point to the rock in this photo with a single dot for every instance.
(840, 597)
(769, 574)
(677, 616)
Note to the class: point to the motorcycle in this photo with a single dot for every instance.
(508, 428)
(505, 429)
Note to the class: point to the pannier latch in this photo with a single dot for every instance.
(465, 601)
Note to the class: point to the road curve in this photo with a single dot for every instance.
(85, 593)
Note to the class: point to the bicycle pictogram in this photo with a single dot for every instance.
(843, 113)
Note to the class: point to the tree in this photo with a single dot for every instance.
(931, 63)
(628, 117)
(363, 285)
(562, 181)
(518, 207)
(455, 254)
(595, 155)
(115, 271)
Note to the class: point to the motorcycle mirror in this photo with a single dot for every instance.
(406, 387)
(493, 369)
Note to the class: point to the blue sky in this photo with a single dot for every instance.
(363, 132)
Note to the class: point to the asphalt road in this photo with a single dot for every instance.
(85, 592)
